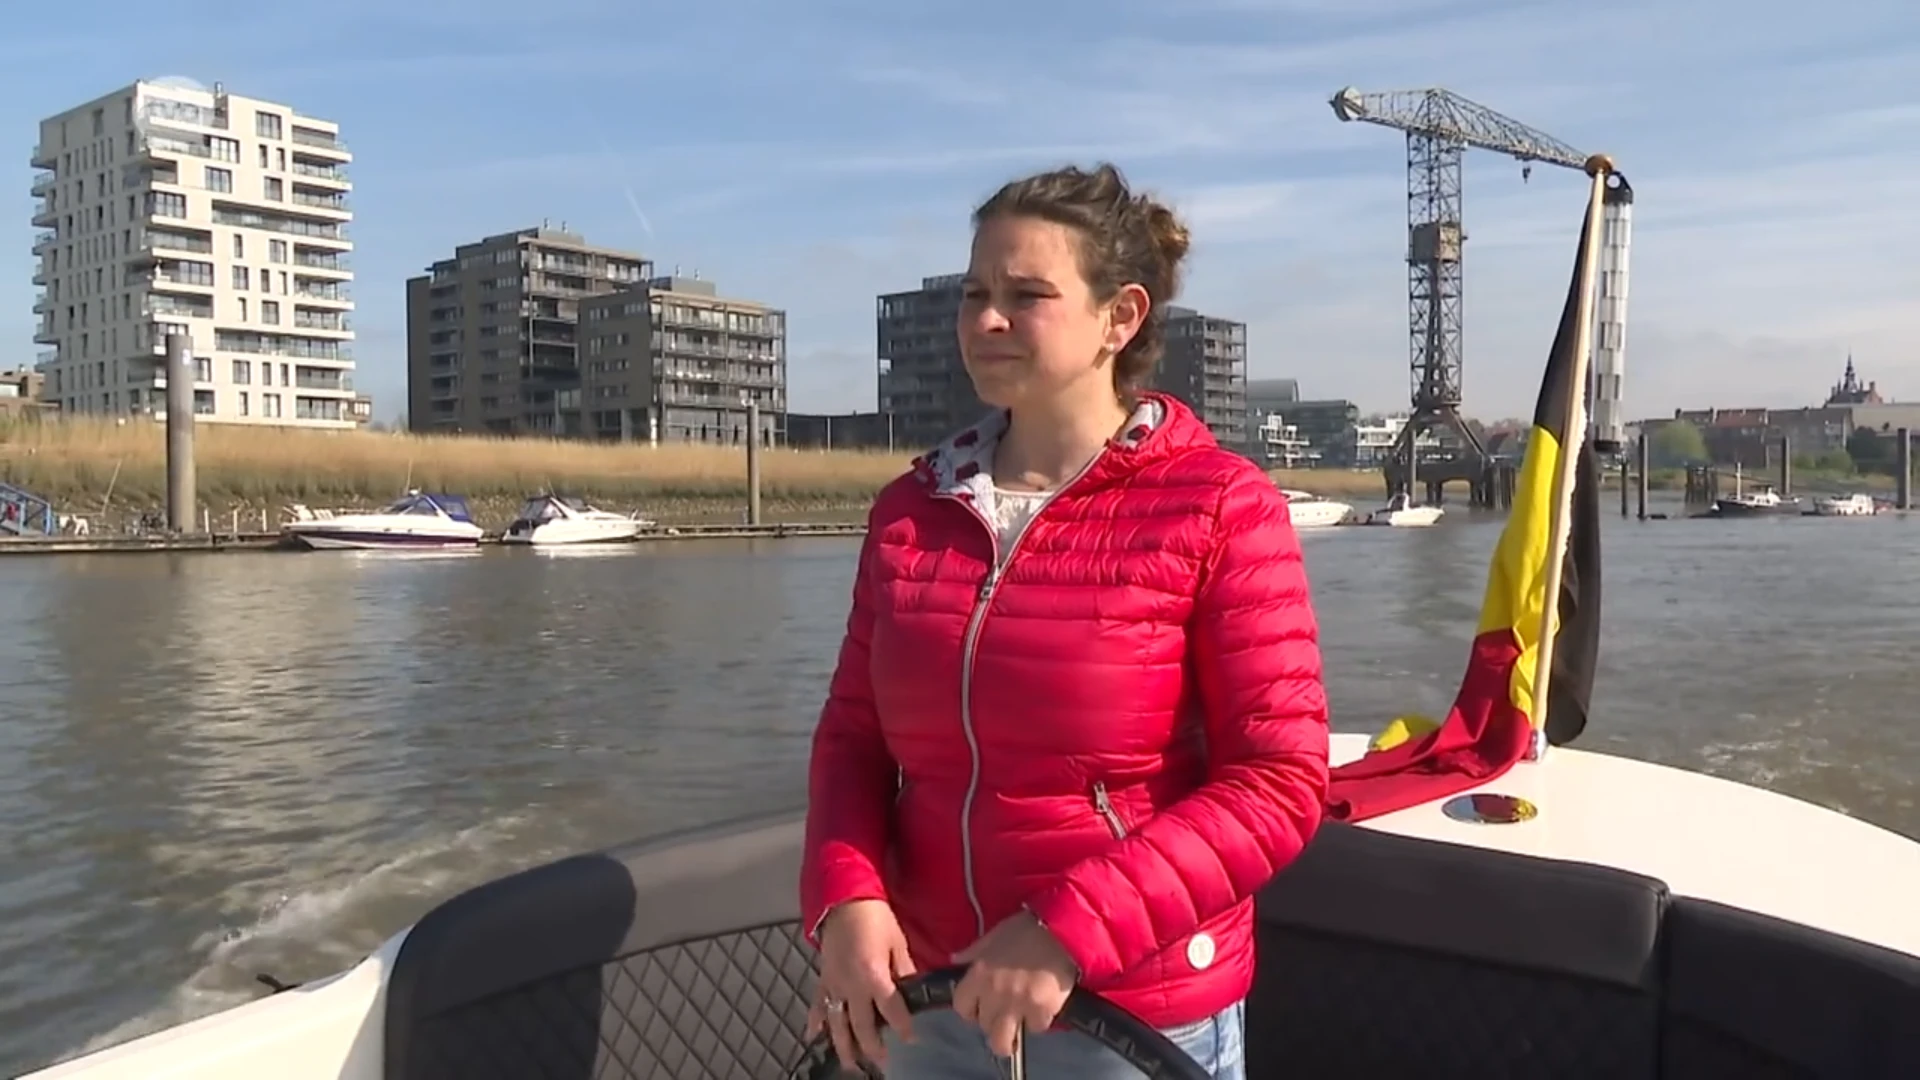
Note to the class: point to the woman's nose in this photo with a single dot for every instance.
(988, 318)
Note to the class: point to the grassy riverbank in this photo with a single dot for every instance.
(108, 470)
(114, 472)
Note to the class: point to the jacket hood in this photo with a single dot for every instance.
(1161, 426)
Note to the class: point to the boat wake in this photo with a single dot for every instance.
(320, 931)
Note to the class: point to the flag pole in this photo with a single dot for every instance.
(1560, 519)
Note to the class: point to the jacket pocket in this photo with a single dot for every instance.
(1103, 806)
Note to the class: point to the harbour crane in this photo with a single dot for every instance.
(1440, 125)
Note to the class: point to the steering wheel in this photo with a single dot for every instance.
(1101, 1020)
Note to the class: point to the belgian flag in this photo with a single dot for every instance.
(1491, 724)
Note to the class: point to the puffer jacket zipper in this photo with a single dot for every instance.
(969, 644)
(1104, 806)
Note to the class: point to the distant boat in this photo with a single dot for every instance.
(1310, 511)
(1401, 512)
(414, 522)
(1855, 505)
(1760, 502)
(556, 519)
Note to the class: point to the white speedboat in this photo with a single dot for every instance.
(559, 519)
(1855, 505)
(1585, 915)
(1401, 512)
(418, 520)
(1310, 511)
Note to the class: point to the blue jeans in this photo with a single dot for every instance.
(946, 1047)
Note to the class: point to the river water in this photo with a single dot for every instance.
(213, 766)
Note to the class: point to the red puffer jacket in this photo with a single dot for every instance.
(1123, 729)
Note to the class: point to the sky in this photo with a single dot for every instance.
(812, 154)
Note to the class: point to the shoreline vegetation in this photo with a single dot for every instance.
(111, 471)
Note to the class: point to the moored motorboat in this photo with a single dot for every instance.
(1762, 501)
(1310, 511)
(1857, 504)
(549, 519)
(1401, 512)
(416, 521)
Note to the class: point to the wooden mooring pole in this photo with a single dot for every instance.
(1903, 470)
(180, 477)
(1640, 458)
(753, 462)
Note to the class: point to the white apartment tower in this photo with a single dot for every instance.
(166, 208)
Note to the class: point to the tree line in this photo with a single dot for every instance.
(1681, 443)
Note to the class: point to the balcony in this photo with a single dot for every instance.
(43, 182)
(47, 358)
(330, 321)
(315, 139)
(153, 147)
(332, 202)
(45, 216)
(168, 307)
(44, 157)
(44, 241)
(332, 262)
(339, 382)
(325, 174)
(329, 293)
(161, 279)
(162, 240)
(181, 112)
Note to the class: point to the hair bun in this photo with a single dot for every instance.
(1170, 236)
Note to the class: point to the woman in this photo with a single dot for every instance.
(1077, 719)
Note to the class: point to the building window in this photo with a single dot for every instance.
(266, 125)
(274, 188)
(166, 204)
(219, 179)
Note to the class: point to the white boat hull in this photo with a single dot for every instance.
(374, 539)
(1706, 838)
(1318, 513)
(1413, 517)
(578, 531)
(1845, 506)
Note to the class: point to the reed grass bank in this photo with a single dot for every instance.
(109, 470)
(104, 468)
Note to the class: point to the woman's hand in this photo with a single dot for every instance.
(1018, 979)
(862, 954)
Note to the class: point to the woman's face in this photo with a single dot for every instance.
(1030, 328)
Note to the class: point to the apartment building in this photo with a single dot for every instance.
(167, 208)
(493, 332)
(923, 384)
(672, 360)
(1205, 365)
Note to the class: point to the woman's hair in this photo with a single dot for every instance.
(1123, 238)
